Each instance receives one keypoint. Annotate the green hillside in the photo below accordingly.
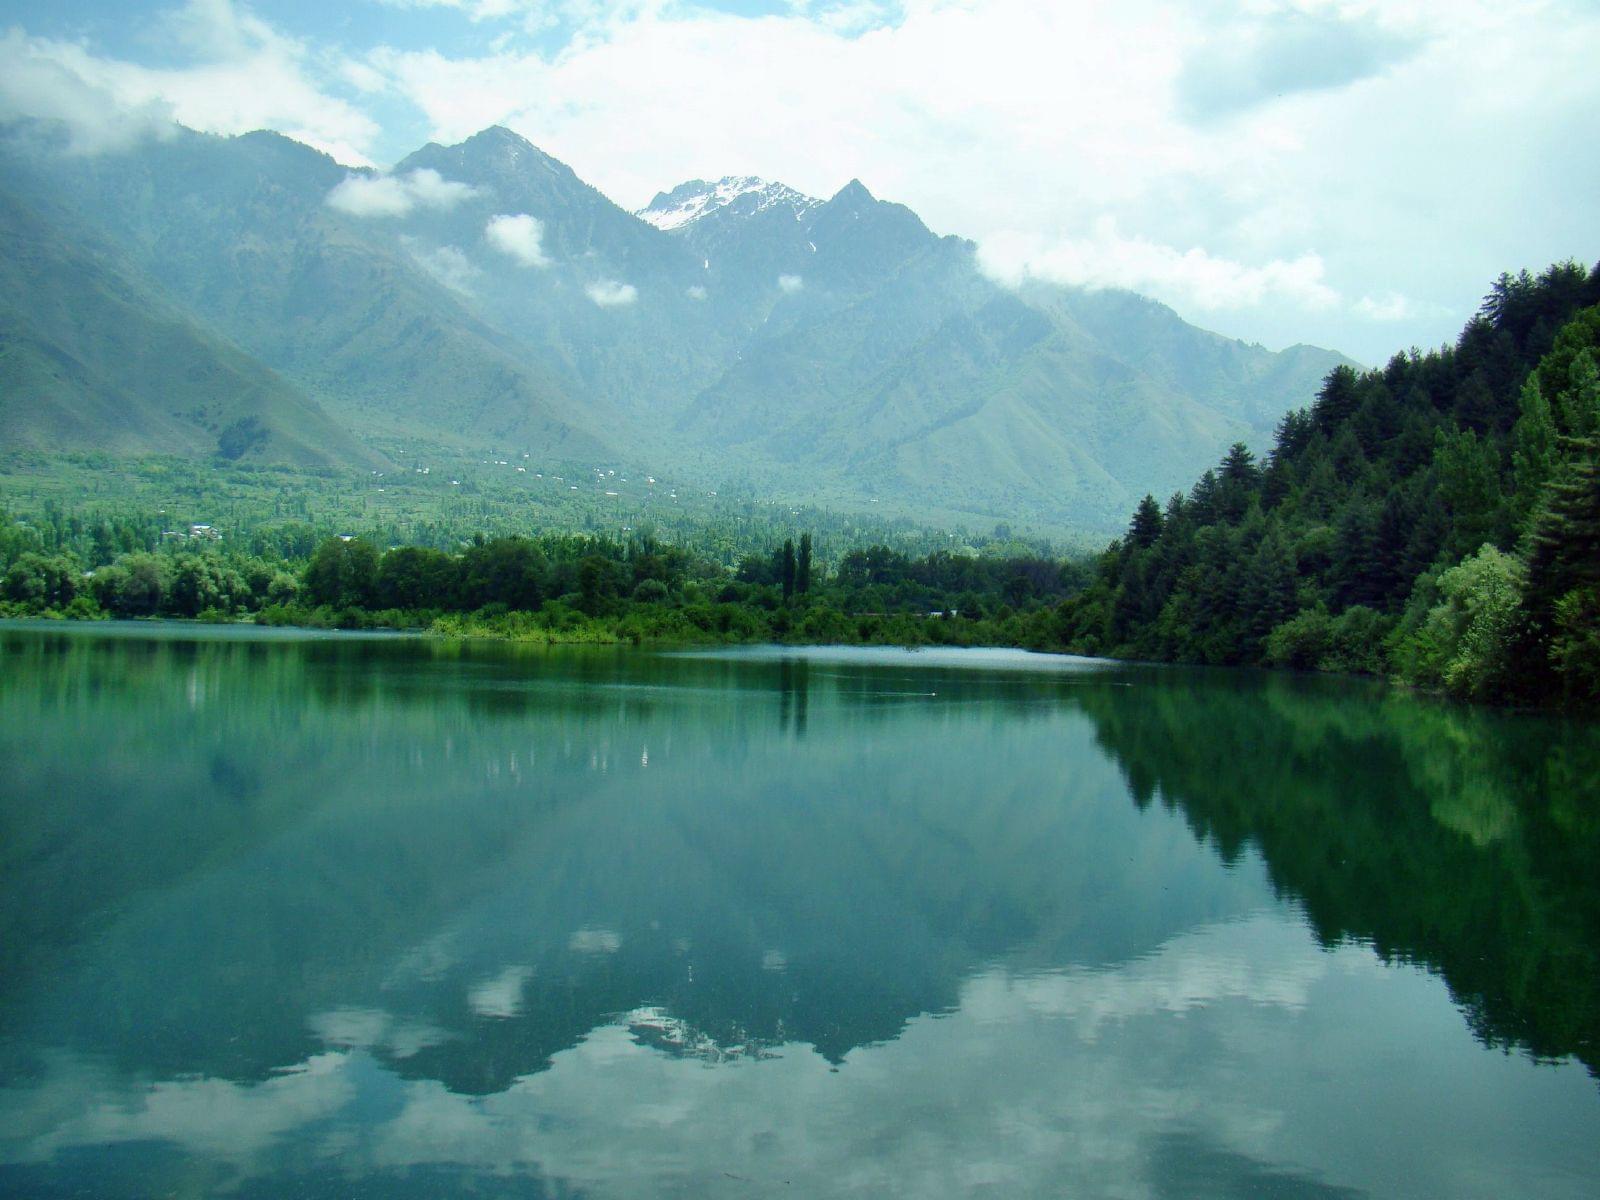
(92, 358)
(938, 386)
(830, 352)
(1438, 519)
(238, 230)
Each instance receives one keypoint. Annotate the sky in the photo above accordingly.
(1347, 173)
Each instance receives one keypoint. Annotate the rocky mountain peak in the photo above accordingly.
(743, 194)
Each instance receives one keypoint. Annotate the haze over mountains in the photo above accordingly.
(251, 297)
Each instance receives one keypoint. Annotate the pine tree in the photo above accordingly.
(788, 570)
(1475, 408)
(1581, 401)
(1203, 499)
(1469, 487)
(1239, 465)
(1337, 400)
(1392, 480)
(1146, 527)
(802, 570)
(1533, 445)
(1268, 584)
(1239, 477)
(1565, 551)
(1293, 434)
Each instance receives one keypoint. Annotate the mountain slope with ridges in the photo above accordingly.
(238, 232)
(834, 350)
(91, 358)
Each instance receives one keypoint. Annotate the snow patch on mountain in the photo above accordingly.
(688, 202)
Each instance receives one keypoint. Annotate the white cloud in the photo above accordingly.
(432, 190)
(1035, 1082)
(241, 75)
(230, 1122)
(34, 82)
(372, 196)
(1262, 55)
(1275, 148)
(1012, 115)
(500, 996)
(790, 283)
(476, 10)
(1388, 307)
(608, 293)
(397, 195)
(448, 264)
(519, 236)
(594, 941)
(362, 77)
(366, 1028)
(696, 292)
(1192, 278)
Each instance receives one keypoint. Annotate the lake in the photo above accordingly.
(327, 916)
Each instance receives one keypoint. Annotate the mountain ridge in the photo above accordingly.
(483, 293)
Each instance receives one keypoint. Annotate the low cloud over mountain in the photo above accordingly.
(481, 294)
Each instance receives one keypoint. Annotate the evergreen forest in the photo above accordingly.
(1436, 520)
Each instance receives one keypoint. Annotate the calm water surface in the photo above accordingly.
(333, 917)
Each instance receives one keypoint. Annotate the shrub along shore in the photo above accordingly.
(566, 589)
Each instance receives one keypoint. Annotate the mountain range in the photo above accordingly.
(250, 297)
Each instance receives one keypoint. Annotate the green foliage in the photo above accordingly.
(1466, 471)
(206, 583)
(241, 437)
(1356, 642)
(144, 376)
(1565, 537)
(786, 570)
(802, 570)
(137, 585)
(1533, 450)
(1459, 633)
(343, 573)
(1575, 644)
(97, 507)
(39, 581)
(1390, 513)
(568, 588)
(1301, 642)
(650, 591)
(1146, 526)
(1568, 372)
(1564, 573)
(1311, 640)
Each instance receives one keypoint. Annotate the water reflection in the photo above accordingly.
(794, 686)
(623, 924)
(1453, 837)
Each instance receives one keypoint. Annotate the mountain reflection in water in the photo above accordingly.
(283, 914)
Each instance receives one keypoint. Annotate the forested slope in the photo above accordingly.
(94, 356)
(1438, 520)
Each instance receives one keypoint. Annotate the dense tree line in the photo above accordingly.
(185, 583)
(552, 587)
(1437, 519)
(572, 587)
